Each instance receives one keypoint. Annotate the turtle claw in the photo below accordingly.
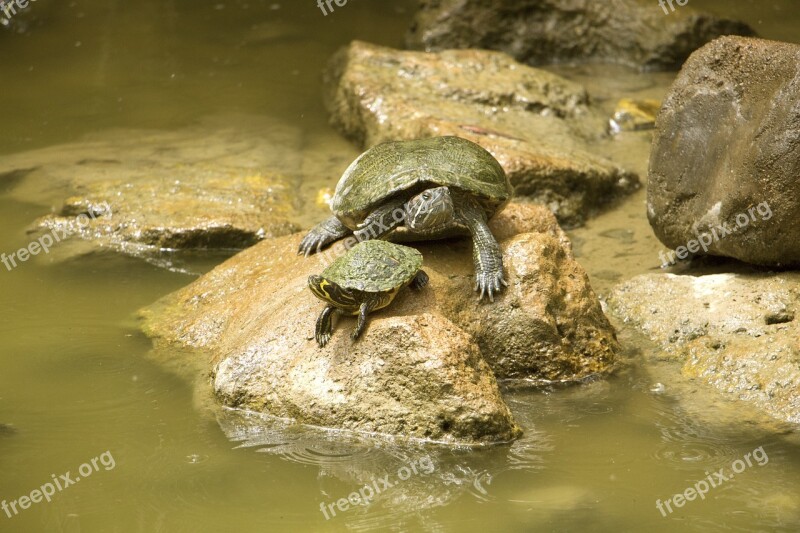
(310, 242)
(489, 284)
(322, 234)
(323, 339)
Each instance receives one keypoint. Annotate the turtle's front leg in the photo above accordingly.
(324, 328)
(382, 220)
(486, 252)
(324, 233)
(363, 311)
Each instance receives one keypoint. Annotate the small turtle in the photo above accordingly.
(365, 279)
(428, 189)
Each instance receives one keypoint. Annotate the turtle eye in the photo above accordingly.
(426, 196)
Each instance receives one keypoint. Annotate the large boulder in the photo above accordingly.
(737, 333)
(541, 127)
(726, 154)
(538, 32)
(420, 369)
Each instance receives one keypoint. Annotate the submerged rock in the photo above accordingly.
(726, 154)
(420, 368)
(735, 332)
(539, 126)
(215, 210)
(554, 31)
(206, 187)
(7, 430)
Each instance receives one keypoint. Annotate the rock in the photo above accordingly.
(734, 332)
(541, 127)
(198, 211)
(556, 31)
(206, 187)
(550, 325)
(419, 369)
(726, 154)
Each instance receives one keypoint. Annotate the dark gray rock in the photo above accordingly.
(552, 31)
(724, 167)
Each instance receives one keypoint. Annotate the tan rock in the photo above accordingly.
(221, 210)
(420, 369)
(205, 187)
(737, 333)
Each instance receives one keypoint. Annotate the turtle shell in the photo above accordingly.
(408, 167)
(375, 266)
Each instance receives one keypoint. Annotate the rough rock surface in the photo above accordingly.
(735, 332)
(199, 210)
(727, 150)
(541, 127)
(209, 186)
(629, 32)
(420, 367)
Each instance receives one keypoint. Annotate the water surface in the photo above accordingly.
(77, 378)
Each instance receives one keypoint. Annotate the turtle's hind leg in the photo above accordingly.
(420, 280)
(324, 233)
(324, 328)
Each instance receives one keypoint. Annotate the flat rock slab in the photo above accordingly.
(420, 369)
(206, 187)
(736, 332)
(537, 32)
(199, 210)
(541, 127)
(724, 167)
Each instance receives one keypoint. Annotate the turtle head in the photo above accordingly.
(330, 292)
(430, 209)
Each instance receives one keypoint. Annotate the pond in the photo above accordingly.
(135, 445)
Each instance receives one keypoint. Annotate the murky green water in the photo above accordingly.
(76, 378)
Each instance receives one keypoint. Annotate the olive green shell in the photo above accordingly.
(392, 168)
(375, 266)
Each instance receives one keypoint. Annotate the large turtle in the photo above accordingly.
(365, 279)
(429, 189)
